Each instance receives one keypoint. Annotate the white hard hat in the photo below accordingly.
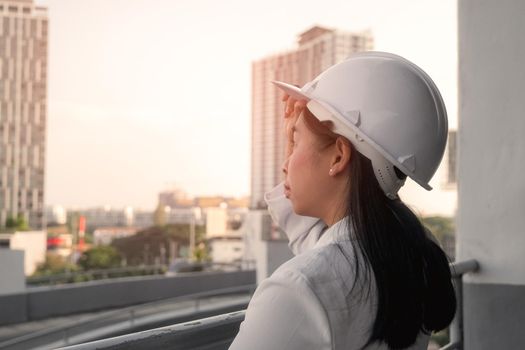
(389, 109)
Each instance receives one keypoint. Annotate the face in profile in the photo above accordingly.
(307, 168)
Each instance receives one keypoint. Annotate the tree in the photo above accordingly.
(19, 223)
(159, 216)
(54, 264)
(154, 244)
(10, 222)
(201, 253)
(442, 227)
(100, 257)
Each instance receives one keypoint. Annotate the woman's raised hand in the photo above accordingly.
(292, 110)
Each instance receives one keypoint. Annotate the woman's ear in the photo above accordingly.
(342, 153)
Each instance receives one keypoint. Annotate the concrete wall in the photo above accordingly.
(12, 278)
(43, 302)
(491, 187)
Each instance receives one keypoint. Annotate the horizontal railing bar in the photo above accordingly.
(171, 334)
(452, 346)
(457, 269)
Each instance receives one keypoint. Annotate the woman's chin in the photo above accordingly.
(299, 210)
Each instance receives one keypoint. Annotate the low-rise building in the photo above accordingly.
(33, 243)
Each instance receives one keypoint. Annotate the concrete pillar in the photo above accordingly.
(261, 246)
(491, 181)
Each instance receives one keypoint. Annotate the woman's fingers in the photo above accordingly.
(299, 105)
(289, 106)
(293, 106)
(292, 110)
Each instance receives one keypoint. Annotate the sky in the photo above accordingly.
(147, 95)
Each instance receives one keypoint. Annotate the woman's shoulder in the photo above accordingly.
(321, 267)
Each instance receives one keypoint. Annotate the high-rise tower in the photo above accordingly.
(23, 110)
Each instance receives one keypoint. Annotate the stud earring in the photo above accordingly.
(331, 171)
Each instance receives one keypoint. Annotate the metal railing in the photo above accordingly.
(219, 331)
(89, 275)
(133, 317)
(457, 270)
(212, 333)
(130, 271)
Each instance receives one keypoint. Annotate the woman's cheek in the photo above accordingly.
(296, 162)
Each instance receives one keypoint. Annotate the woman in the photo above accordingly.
(366, 274)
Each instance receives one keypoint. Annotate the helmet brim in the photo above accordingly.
(292, 90)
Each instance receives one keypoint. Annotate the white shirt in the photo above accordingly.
(309, 302)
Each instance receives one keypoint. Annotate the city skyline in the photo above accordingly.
(159, 92)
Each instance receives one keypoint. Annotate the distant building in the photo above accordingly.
(226, 249)
(56, 215)
(60, 244)
(142, 218)
(32, 243)
(104, 217)
(175, 198)
(23, 110)
(318, 48)
(106, 235)
(216, 222)
(12, 272)
(225, 244)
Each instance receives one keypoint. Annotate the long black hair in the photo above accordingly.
(411, 272)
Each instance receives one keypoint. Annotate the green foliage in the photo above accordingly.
(89, 238)
(100, 257)
(154, 244)
(159, 216)
(54, 264)
(442, 227)
(201, 253)
(10, 222)
(441, 337)
(21, 223)
(16, 224)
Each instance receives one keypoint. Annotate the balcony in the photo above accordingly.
(218, 332)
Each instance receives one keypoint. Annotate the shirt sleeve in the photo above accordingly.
(302, 231)
(284, 313)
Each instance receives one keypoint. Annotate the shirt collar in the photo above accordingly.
(336, 233)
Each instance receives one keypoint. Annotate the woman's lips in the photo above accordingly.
(287, 191)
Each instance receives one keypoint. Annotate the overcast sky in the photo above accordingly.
(149, 94)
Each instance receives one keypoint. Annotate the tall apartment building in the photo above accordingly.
(23, 105)
(317, 49)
